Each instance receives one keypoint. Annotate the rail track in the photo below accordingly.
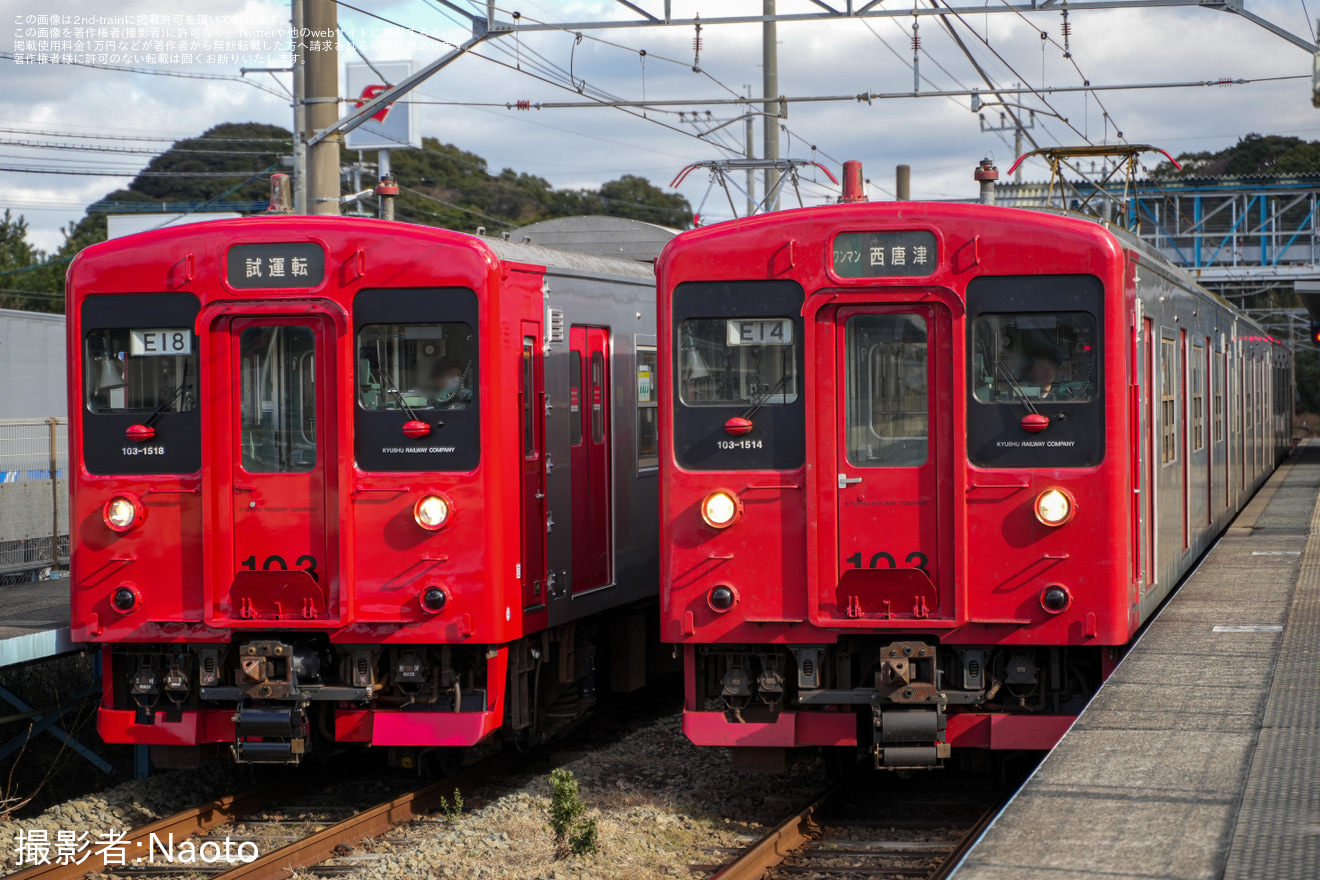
(291, 829)
(299, 826)
(916, 828)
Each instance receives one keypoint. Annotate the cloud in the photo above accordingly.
(939, 137)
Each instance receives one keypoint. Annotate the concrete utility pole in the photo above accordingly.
(903, 183)
(751, 154)
(299, 114)
(322, 102)
(770, 91)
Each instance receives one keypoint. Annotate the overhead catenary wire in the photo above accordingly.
(512, 67)
(10, 56)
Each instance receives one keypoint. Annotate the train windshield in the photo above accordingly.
(416, 366)
(140, 370)
(738, 361)
(1035, 356)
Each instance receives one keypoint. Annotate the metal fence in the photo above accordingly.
(34, 497)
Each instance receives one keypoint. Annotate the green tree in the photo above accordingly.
(1253, 155)
(21, 285)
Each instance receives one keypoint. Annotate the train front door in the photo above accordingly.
(279, 447)
(891, 464)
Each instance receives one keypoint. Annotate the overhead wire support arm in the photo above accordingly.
(875, 10)
(480, 32)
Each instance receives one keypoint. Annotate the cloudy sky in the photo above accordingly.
(579, 147)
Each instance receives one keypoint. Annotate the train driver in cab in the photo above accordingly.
(1041, 372)
(448, 379)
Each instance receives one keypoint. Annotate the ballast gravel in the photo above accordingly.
(662, 806)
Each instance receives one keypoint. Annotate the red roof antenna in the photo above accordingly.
(854, 185)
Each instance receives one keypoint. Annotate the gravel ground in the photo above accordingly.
(127, 805)
(660, 804)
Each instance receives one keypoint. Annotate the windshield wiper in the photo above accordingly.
(389, 386)
(174, 395)
(1017, 389)
(761, 400)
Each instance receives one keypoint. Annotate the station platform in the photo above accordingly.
(34, 621)
(1200, 756)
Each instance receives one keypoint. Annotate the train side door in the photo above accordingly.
(531, 400)
(589, 437)
(282, 462)
(893, 448)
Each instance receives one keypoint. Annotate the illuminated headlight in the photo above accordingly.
(431, 512)
(122, 513)
(721, 509)
(1054, 507)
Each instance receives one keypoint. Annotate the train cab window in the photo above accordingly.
(738, 361)
(277, 368)
(1035, 357)
(736, 352)
(1035, 347)
(887, 399)
(417, 356)
(648, 427)
(140, 370)
(416, 367)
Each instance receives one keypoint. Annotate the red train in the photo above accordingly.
(927, 467)
(355, 481)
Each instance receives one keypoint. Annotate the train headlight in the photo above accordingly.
(432, 512)
(721, 509)
(1054, 507)
(123, 512)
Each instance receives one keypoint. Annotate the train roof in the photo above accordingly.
(556, 261)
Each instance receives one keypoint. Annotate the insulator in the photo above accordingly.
(1067, 32)
(525, 105)
(1224, 81)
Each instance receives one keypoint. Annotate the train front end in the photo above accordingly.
(286, 436)
(895, 502)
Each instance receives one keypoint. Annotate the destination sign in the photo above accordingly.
(884, 254)
(291, 264)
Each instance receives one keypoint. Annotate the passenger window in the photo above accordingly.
(277, 367)
(140, 370)
(575, 398)
(737, 361)
(1036, 356)
(598, 392)
(529, 397)
(416, 366)
(888, 401)
(1198, 397)
(648, 429)
(1168, 401)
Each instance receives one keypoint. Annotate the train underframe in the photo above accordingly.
(270, 697)
(907, 702)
